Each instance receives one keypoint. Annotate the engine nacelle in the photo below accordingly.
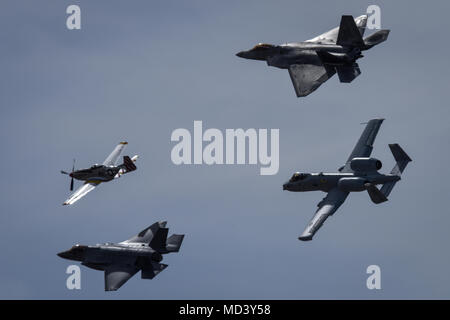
(352, 184)
(365, 164)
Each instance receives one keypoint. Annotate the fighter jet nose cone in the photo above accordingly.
(63, 255)
(285, 186)
(240, 54)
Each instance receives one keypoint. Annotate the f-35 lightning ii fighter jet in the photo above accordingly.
(360, 173)
(100, 173)
(123, 260)
(314, 61)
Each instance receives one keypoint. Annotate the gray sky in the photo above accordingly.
(138, 71)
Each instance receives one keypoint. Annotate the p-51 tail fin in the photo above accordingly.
(128, 164)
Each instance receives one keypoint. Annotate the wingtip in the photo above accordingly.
(375, 119)
(305, 238)
(123, 142)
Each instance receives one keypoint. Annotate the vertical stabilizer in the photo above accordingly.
(402, 160)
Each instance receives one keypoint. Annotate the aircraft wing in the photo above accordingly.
(306, 78)
(117, 275)
(81, 192)
(112, 158)
(330, 37)
(327, 207)
(364, 145)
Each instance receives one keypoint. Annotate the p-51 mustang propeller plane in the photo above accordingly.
(97, 174)
(360, 173)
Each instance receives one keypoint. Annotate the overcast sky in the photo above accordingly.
(138, 70)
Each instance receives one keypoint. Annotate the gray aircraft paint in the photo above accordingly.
(121, 68)
(360, 173)
(123, 260)
(314, 61)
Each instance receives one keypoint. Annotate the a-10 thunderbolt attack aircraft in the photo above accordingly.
(97, 174)
(123, 260)
(314, 61)
(360, 173)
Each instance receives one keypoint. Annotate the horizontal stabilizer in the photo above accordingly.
(174, 242)
(376, 38)
(152, 270)
(349, 35)
(348, 73)
(387, 188)
(375, 195)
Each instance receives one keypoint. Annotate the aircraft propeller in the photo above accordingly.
(70, 174)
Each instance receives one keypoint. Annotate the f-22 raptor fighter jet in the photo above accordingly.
(314, 61)
(97, 174)
(123, 260)
(360, 173)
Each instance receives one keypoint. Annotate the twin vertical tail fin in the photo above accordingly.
(350, 35)
(162, 244)
(156, 237)
(402, 160)
(158, 241)
(400, 157)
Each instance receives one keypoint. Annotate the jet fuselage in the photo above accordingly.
(99, 256)
(351, 182)
(284, 55)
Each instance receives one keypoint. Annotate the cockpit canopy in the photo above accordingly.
(95, 166)
(263, 46)
(299, 176)
(78, 248)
